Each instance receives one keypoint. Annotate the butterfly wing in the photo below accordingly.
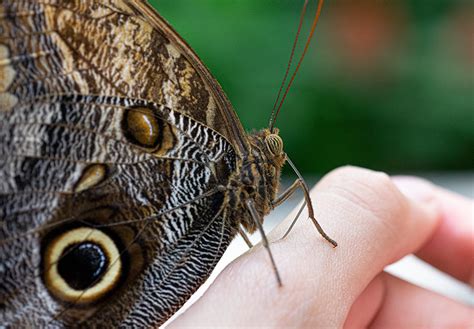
(106, 155)
(219, 115)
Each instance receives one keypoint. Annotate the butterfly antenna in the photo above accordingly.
(290, 61)
(305, 50)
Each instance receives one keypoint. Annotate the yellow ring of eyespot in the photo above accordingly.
(59, 287)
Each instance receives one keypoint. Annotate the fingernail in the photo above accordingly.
(415, 188)
(420, 191)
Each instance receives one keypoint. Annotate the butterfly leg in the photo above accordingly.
(299, 183)
(294, 220)
(288, 192)
(245, 237)
(256, 218)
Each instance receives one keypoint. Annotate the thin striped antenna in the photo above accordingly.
(305, 50)
(303, 12)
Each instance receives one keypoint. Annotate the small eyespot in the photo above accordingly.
(142, 127)
(82, 265)
(91, 176)
(274, 144)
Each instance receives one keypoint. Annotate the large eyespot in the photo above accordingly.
(274, 144)
(82, 265)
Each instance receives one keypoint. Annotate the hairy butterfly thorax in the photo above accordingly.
(259, 176)
(124, 170)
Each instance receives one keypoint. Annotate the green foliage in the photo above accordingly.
(387, 86)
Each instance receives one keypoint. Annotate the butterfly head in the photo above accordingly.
(274, 144)
(269, 147)
(275, 159)
(270, 151)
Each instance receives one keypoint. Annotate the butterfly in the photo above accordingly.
(124, 171)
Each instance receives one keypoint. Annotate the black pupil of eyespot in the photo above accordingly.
(81, 265)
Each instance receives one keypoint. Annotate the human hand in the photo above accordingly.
(376, 221)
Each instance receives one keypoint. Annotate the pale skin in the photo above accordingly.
(376, 220)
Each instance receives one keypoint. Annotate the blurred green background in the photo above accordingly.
(387, 85)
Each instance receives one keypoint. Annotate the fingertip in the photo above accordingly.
(450, 244)
(408, 306)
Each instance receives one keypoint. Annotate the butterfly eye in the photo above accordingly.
(274, 144)
(82, 265)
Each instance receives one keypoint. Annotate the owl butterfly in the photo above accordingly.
(124, 171)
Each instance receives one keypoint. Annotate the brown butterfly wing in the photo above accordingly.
(108, 121)
(121, 48)
(221, 115)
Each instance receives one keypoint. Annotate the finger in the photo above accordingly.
(451, 247)
(374, 225)
(373, 222)
(389, 302)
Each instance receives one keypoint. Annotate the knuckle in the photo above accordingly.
(381, 183)
(371, 190)
(346, 171)
(392, 201)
